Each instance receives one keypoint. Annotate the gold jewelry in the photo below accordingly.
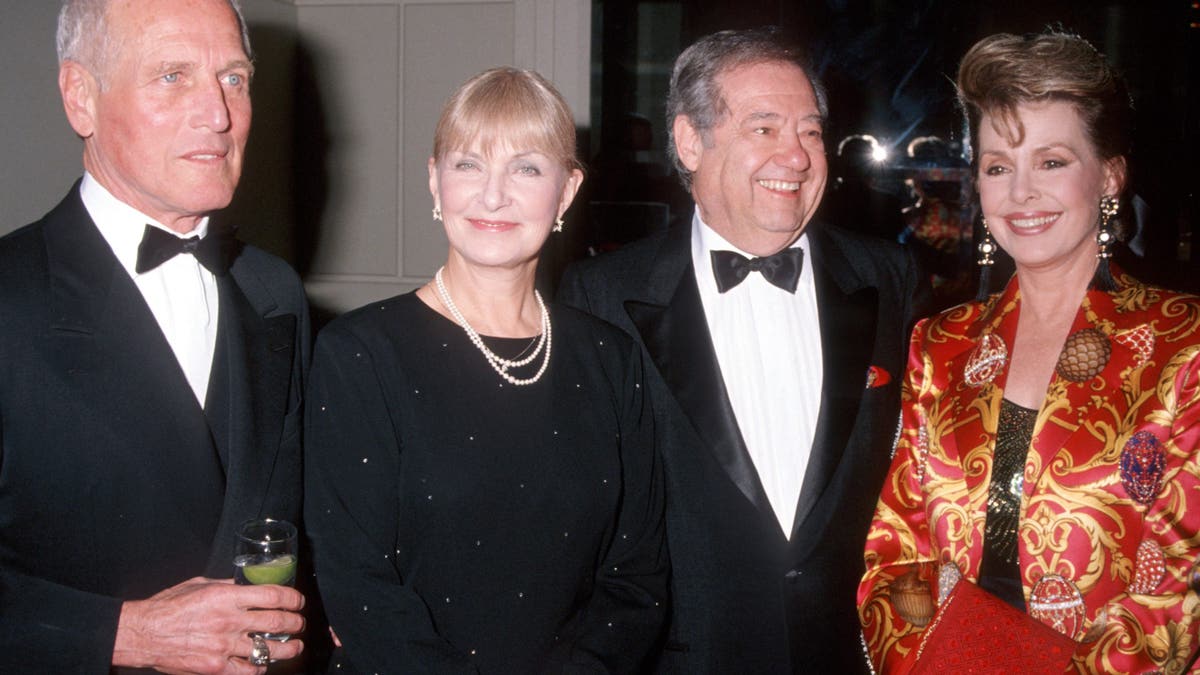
(1102, 279)
(1109, 206)
(986, 247)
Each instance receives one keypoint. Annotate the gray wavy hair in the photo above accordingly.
(83, 34)
(694, 91)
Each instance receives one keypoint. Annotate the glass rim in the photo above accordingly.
(267, 524)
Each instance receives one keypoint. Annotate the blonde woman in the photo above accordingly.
(483, 494)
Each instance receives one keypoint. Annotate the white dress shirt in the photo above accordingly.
(768, 344)
(181, 293)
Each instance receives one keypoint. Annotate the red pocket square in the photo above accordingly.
(877, 377)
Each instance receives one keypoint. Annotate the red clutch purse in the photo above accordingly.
(976, 632)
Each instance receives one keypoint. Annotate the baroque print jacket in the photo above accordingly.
(1109, 528)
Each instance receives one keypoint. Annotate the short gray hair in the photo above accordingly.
(83, 34)
(694, 91)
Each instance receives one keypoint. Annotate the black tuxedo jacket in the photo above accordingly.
(745, 598)
(114, 482)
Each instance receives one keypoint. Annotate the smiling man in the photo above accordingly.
(778, 345)
(150, 367)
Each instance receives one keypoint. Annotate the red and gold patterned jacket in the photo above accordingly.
(1110, 501)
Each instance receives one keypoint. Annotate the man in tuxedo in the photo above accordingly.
(150, 367)
(778, 343)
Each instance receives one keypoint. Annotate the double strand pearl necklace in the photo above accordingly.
(501, 365)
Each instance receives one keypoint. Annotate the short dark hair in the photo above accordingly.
(694, 91)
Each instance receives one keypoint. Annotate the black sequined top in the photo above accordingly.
(1000, 571)
(463, 524)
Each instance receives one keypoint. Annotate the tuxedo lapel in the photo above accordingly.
(849, 311)
(218, 404)
(247, 404)
(671, 322)
(121, 368)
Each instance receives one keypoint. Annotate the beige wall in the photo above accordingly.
(39, 156)
(346, 98)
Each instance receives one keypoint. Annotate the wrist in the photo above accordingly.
(129, 648)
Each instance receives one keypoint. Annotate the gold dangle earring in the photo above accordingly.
(1105, 238)
(986, 247)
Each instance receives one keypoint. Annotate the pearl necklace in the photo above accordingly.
(499, 364)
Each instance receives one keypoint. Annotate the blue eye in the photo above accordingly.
(170, 78)
(529, 170)
(235, 79)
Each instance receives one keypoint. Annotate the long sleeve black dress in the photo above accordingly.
(463, 524)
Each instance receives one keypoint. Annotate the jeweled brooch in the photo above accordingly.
(985, 362)
(1057, 602)
(1143, 463)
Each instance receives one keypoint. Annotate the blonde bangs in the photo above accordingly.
(510, 109)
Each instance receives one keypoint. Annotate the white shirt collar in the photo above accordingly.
(121, 224)
(768, 346)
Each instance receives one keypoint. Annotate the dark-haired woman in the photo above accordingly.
(1042, 508)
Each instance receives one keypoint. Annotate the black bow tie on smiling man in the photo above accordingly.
(781, 268)
(159, 246)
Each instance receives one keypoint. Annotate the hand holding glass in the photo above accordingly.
(265, 553)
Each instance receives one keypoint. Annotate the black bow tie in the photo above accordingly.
(159, 246)
(781, 269)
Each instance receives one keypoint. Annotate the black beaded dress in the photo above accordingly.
(463, 524)
(1000, 567)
